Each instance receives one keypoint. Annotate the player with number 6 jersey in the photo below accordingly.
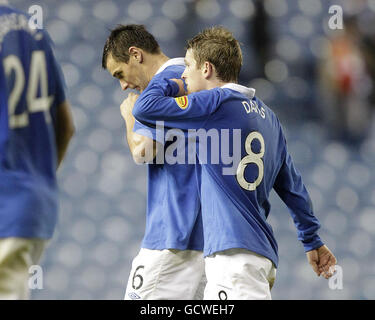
(170, 263)
(35, 129)
(239, 244)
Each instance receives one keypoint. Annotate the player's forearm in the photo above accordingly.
(291, 189)
(187, 112)
(130, 135)
(143, 149)
(157, 101)
(64, 131)
(62, 143)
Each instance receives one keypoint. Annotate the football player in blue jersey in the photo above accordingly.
(240, 249)
(35, 128)
(170, 263)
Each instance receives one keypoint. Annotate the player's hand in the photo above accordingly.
(127, 105)
(322, 261)
(180, 83)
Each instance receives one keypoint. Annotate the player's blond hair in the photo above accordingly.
(218, 46)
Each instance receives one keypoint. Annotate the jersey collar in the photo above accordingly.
(249, 92)
(171, 62)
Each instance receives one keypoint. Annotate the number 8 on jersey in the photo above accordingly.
(251, 157)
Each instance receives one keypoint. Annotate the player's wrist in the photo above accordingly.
(312, 243)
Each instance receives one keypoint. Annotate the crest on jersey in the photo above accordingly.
(182, 102)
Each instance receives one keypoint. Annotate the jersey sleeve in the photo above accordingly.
(291, 189)
(157, 103)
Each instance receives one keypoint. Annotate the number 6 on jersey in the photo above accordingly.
(251, 157)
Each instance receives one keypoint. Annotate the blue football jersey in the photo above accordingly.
(173, 218)
(31, 89)
(244, 157)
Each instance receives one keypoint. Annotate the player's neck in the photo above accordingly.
(215, 83)
(155, 61)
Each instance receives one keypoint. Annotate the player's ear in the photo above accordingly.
(207, 70)
(136, 53)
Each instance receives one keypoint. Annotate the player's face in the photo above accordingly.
(128, 74)
(193, 76)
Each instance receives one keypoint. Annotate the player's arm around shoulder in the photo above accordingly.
(157, 101)
(168, 101)
(64, 129)
(142, 148)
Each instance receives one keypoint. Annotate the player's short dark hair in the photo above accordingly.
(125, 36)
(218, 46)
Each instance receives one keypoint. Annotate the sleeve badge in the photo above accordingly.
(182, 102)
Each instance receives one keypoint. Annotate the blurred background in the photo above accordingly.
(319, 81)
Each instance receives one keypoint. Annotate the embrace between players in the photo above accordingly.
(204, 227)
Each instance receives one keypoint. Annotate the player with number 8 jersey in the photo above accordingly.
(239, 245)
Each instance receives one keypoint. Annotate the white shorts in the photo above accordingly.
(166, 275)
(17, 255)
(238, 274)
